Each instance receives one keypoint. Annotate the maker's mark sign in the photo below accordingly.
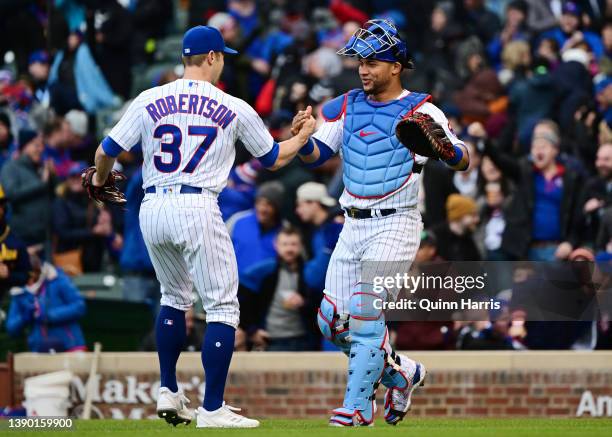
(128, 390)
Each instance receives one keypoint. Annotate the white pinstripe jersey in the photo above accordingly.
(188, 130)
(331, 133)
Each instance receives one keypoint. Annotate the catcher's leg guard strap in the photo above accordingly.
(332, 326)
(367, 356)
(395, 375)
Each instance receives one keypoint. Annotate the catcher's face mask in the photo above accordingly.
(378, 39)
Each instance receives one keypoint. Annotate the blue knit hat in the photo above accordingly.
(25, 136)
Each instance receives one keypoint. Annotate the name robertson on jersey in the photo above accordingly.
(191, 104)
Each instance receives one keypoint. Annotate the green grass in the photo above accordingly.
(428, 427)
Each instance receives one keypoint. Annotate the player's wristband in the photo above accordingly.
(269, 159)
(307, 148)
(457, 158)
(325, 152)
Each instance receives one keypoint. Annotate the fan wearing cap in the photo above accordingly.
(38, 70)
(569, 33)
(381, 180)
(253, 231)
(455, 237)
(315, 208)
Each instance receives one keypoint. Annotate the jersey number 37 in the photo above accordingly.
(173, 147)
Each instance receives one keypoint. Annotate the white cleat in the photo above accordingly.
(224, 417)
(172, 407)
(397, 402)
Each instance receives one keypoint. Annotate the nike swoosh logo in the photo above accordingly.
(363, 133)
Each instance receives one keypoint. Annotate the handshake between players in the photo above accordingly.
(188, 129)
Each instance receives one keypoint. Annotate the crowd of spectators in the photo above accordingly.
(527, 84)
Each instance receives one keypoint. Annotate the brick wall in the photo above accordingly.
(295, 391)
(460, 394)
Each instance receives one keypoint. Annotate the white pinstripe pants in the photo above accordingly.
(393, 239)
(189, 246)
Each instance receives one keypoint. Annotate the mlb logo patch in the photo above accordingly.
(168, 322)
(187, 51)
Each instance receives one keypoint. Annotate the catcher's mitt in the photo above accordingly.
(107, 193)
(421, 134)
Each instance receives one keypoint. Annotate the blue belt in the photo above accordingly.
(185, 189)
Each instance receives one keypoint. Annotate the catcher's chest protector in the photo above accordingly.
(375, 163)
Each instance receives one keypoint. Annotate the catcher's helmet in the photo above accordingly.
(378, 39)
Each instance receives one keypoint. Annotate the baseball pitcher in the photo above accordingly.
(188, 130)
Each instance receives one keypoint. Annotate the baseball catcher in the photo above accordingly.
(384, 134)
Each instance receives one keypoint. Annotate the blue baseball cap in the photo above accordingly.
(571, 8)
(39, 56)
(200, 40)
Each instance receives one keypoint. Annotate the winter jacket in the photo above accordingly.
(50, 309)
(134, 255)
(592, 39)
(14, 254)
(519, 214)
(71, 222)
(94, 92)
(30, 199)
(574, 89)
(322, 245)
(532, 100)
(257, 288)
(251, 243)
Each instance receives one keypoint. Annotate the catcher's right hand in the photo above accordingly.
(421, 134)
(107, 193)
(300, 118)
